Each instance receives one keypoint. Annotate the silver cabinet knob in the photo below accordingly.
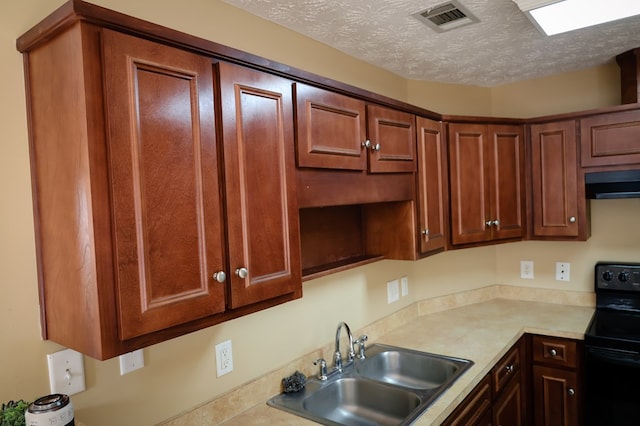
(572, 219)
(571, 391)
(509, 368)
(376, 147)
(220, 276)
(242, 272)
(366, 144)
(553, 352)
(489, 223)
(425, 232)
(496, 222)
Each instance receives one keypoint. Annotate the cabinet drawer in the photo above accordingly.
(610, 139)
(506, 368)
(555, 351)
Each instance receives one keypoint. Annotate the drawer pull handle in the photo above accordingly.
(571, 391)
(553, 352)
(509, 369)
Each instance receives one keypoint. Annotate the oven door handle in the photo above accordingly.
(615, 356)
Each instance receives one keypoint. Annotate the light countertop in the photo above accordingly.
(482, 332)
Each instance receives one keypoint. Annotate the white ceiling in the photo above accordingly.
(503, 47)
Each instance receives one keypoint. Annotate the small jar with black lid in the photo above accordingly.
(50, 410)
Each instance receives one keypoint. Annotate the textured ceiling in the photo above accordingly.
(503, 47)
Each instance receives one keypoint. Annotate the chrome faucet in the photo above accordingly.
(337, 360)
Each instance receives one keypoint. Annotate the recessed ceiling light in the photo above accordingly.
(555, 17)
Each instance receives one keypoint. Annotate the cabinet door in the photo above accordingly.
(330, 129)
(610, 139)
(469, 183)
(554, 179)
(432, 187)
(475, 410)
(507, 408)
(262, 211)
(555, 399)
(507, 181)
(392, 138)
(166, 210)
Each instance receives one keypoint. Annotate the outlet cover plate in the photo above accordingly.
(66, 372)
(526, 269)
(131, 361)
(224, 358)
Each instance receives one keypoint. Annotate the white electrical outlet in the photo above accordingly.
(526, 269)
(563, 271)
(393, 291)
(66, 372)
(131, 361)
(224, 358)
(404, 284)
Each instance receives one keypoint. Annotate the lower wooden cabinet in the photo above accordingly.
(537, 382)
(556, 381)
(475, 410)
(499, 399)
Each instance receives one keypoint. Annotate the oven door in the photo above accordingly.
(612, 387)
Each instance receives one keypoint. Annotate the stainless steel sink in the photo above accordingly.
(407, 368)
(391, 386)
(363, 402)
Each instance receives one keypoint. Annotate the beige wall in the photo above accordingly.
(180, 373)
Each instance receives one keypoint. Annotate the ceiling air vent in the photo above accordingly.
(446, 16)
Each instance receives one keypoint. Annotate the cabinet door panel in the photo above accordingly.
(610, 139)
(554, 178)
(507, 409)
(395, 133)
(167, 216)
(262, 212)
(475, 410)
(555, 398)
(432, 173)
(468, 183)
(507, 193)
(330, 129)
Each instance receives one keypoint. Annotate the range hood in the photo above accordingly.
(618, 184)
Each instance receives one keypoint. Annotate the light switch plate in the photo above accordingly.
(131, 361)
(393, 291)
(404, 284)
(563, 271)
(66, 372)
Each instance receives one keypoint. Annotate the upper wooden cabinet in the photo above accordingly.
(391, 140)
(486, 169)
(610, 139)
(558, 203)
(335, 131)
(163, 175)
(135, 244)
(432, 186)
(259, 170)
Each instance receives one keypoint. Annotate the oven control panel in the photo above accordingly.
(617, 276)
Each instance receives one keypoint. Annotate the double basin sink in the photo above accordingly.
(391, 386)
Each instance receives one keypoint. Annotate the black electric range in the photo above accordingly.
(612, 346)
